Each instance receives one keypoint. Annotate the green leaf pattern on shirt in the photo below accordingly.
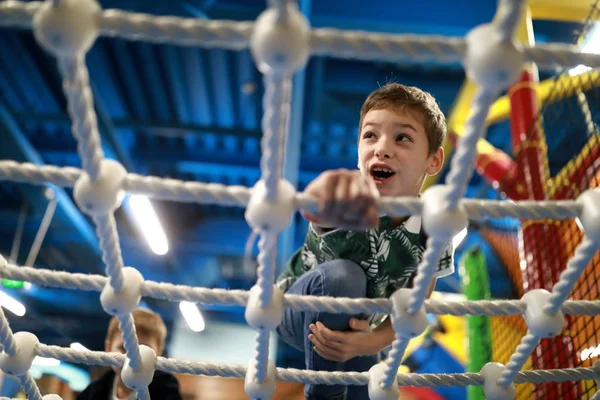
(388, 256)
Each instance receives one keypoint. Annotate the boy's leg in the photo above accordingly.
(337, 278)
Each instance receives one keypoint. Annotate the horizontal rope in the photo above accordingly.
(556, 375)
(100, 358)
(324, 41)
(173, 292)
(195, 192)
(17, 13)
(195, 32)
(560, 209)
(364, 45)
(551, 55)
(307, 376)
(200, 368)
(212, 193)
(38, 174)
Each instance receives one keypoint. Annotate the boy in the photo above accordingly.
(350, 250)
(152, 332)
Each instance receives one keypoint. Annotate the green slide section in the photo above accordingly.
(476, 286)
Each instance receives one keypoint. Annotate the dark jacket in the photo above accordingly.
(164, 386)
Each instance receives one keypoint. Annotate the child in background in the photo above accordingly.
(350, 250)
(152, 332)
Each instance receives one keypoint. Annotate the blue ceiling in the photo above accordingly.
(194, 114)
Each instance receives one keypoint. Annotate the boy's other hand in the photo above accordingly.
(346, 200)
(342, 346)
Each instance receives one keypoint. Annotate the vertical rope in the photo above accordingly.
(29, 386)
(393, 362)
(76, 86)
(266, 267)
(6, 335)
(517, 360)
(276, 104)
(262, 355)
(281, 7)
(143, 394)
(130, 339)
(106, 229)
(569, 276)
(425, 271)
(510, 11)
(461, 168)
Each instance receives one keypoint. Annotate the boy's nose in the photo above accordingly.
(383, 152)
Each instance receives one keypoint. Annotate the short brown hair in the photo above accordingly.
(147, 323)
(395, 95)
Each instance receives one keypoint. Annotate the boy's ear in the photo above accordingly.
(436, 161)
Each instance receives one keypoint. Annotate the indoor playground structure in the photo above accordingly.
(547, 232)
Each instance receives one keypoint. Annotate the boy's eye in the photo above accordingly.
(368, 135)
(402, 138)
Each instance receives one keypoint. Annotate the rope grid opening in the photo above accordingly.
(281, 41)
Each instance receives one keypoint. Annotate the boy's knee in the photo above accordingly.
(343, 278)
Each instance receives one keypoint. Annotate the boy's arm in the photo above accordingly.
(384, 334)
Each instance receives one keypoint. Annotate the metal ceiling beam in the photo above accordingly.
(168, 129)
(155, 93)
(175, 87)
(14, 145)
(158, 128)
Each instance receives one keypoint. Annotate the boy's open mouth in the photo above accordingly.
(381, 175)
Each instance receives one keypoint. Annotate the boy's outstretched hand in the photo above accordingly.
(347, 200)
(342, 346)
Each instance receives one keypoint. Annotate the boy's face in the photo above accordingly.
(393, 151)
(117, 345)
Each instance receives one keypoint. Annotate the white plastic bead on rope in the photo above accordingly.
(105, 194)
(405, 325)
(264, 318)
(539, 323)
(52, 397)
(376, 391)
(260, 390)
(67, 28)
(490, 62)
(20, 363)
(140, 378)
(280, 47)
(491, 372)
(590, 217)
(271, 216)
(125, 301)
(438, 221)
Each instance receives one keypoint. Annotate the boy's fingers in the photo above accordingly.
(329, 335)
(329, 195)
(324, 345)
(357, 203)
(342, 197)
(327, 355)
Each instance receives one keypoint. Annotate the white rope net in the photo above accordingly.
(281, 40)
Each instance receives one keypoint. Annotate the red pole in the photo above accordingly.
(541, 248)
(493, 164)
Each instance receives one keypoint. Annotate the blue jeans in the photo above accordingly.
(337, 278)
